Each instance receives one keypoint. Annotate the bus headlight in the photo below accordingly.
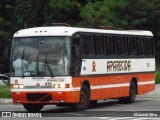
(16, 86)
(21, 86)
(62, 86)
(56, 86)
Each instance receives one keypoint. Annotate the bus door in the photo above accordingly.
(76, 55)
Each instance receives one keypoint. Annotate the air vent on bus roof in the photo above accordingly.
(107, 27)
(60, 24)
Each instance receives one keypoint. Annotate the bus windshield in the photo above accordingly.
(40, 56)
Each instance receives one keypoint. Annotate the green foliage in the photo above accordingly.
(5, 92)
(66, 11)
(4, 33)
(99, 13)
(157, 73)
(158, 77)
(6, 15)
(30, 13)
(125, 14)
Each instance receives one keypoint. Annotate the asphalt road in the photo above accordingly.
(142, 109)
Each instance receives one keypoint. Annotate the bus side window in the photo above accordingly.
(87, 45)
(131, 46)
(149, 46)
(135, 40)
(106, 45)
(125, 45)
(144, 46)
(140, 46)
(120, 45)
(103, 45)
(110, 45)
(98, 45)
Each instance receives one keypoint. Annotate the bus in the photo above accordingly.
(76, 67)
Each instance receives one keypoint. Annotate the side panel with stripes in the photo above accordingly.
(110, 78)
(114, 86)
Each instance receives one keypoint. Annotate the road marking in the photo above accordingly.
(103, 118)
(130, 110)
(124, 118)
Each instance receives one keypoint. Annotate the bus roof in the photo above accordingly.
(69, 31)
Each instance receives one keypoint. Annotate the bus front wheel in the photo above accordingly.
(84, 99)
(33, 107)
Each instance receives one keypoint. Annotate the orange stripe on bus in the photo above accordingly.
(99, 88)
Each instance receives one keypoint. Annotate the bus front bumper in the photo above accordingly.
(46, 97)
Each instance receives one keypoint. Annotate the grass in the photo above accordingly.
(158, 73)
(5, 92)
(158, 77)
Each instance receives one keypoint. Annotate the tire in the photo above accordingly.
(33, 107)
(93, 102)
(84, 99)
(132, 94)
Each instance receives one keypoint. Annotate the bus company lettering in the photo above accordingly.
(118, 65)
(57, 80)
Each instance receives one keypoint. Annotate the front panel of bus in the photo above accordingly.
(40, 70)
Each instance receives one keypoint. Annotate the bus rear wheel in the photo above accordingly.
(84, 99)
(33, 107)
(132, 92)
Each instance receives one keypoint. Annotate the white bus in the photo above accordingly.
(79, 66)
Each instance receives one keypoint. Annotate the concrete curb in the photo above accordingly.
(5, 101)
(153, 94)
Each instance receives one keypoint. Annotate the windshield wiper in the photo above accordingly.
(11, 62)
(38, 71)
(23, 63)
(49, 68)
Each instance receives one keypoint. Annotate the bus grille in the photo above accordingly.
(39, 97)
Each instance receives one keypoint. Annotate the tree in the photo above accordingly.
(66, 11)
(6, 15)
(156, 27)
(30, 13)
(105, 12)
(6, 30)
(124, 14)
